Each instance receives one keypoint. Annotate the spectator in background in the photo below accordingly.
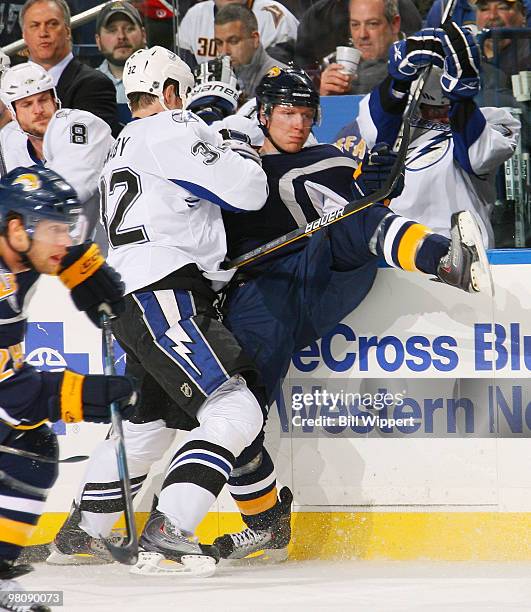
(510, 56)
(158, 18)
(464, 13)
(46, 30)
(10, 26)
(236, 35)
(374, 26)
(276, 26)
(119, 33)
(325, 26)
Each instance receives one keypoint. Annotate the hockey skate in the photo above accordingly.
(465, 266)
(271, 542)
(165, 549)
(9, 588)
(73, 546)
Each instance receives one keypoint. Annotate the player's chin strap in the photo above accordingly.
(270, 138)
(24, 258)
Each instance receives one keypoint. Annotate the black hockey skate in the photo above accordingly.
(165, 549)
(272, 541)
(465, 266)
(73, 546)
(9, 587)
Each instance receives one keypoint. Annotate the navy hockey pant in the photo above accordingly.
(20, 510)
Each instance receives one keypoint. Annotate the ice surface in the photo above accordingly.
(296, 586)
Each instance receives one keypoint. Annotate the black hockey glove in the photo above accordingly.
(460, 79)
(92, 282)
(373, 172)
(240, 143)
(407, 57)
(87, 398)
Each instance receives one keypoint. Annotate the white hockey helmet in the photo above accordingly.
(147, 70)
(25, 80)
(433, 93)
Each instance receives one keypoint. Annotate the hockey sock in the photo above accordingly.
(408, 245)
(255, 491)
(430, 253)
(100, 500)
(194, 479)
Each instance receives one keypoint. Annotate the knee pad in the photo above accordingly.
(231, 417)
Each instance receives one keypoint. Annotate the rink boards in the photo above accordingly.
(436, 468)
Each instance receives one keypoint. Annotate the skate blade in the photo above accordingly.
(261, 557)
(154, 564)
(58, 558)
(480, 272)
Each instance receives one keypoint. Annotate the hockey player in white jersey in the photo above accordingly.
(163, 187)
(456, 147)
(72, 142)
(276, 24)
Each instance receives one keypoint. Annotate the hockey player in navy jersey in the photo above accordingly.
(282, 302)
(40, 223)
(285, 301)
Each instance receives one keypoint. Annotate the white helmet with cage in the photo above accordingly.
(432, 94)
(25, 80)
(147, 70)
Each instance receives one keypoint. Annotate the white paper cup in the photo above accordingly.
(349, 58)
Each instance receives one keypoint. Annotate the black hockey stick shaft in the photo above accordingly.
(128, 552)
(22, 453)
(401, 149)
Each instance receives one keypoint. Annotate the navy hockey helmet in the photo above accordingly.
(36, 194)
(287, 87)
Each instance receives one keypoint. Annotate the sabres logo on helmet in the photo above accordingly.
(29, 182)
(274, 72)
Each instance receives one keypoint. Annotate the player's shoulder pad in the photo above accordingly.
(502, 121)
(318, 152)
(75, 114)
(77, 125)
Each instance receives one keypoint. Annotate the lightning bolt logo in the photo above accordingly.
(180, 339)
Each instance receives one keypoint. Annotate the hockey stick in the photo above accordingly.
(18, 485)
(128, 553)
(401, 149)
(22, 453)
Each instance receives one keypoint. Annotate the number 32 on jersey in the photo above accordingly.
(129, 182)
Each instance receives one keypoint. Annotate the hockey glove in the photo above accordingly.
(407, 57)
(374, 171)
(460, 79)
(92, 282)
(87, 398)
(240, 143)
